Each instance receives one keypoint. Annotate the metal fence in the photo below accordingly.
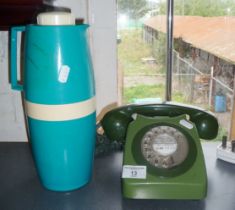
(198, 87)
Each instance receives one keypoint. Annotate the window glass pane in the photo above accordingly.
(141, 51)
(204, 58)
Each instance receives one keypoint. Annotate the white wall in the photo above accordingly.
(102, 18)
(101, 15)
(11, 115)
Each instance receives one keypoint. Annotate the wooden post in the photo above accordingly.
(211, 88)
(192, 81)
(179, 72)
(120, 84)
(232, 122)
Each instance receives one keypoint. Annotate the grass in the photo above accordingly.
(130, 52)
(143, 91)
(149, 91)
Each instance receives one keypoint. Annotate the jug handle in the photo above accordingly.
(13, 60)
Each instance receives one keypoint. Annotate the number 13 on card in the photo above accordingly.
(134, 172)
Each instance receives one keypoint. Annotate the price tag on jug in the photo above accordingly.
(64, 74)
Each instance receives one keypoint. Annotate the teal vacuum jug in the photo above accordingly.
(59, 99)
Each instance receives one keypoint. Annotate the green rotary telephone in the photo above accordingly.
(163, 158)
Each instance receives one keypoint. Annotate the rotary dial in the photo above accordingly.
(164, 146)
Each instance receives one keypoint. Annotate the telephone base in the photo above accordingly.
(168, 189)
(143, 180)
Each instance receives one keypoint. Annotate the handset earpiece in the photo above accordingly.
(116, 121)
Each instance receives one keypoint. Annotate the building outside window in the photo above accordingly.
(203, 55)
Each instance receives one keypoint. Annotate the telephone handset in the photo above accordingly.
(116, 121)
(163, 158)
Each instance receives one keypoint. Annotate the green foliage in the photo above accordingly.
(182, 47)
(205, 8)
(134, 8)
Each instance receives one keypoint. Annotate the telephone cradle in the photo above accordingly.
(163, 157)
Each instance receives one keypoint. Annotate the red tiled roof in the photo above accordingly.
(215, 35)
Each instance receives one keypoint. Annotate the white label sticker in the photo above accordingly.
(64, 74)
(134, 172)
(186, 124)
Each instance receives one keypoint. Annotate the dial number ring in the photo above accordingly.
(164, 146)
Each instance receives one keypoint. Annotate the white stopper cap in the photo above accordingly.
(55, 18)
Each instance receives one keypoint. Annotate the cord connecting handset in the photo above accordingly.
(116, 121)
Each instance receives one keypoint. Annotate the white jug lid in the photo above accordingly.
(55, 18)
